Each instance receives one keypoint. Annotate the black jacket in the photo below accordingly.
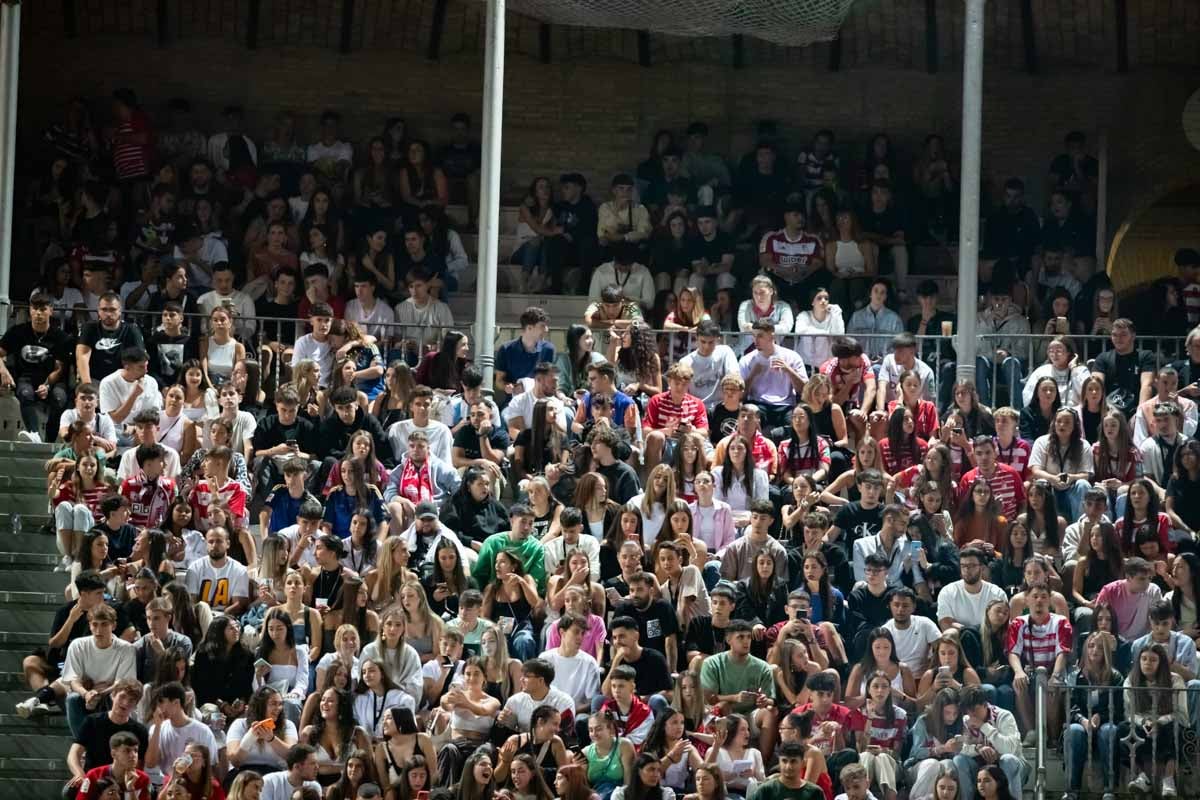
(333, 438)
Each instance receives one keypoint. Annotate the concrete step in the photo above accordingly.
(563, 309)
(29, 788)
(49, 724)
(51, 745)
(28, 619)
(23, 502)
(506, 241)
(10, 661)
(25, 560)
(509, 216)
(40, 580)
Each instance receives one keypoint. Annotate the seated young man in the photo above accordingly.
(122, 770)
(833, 724)
(741, 683)
(94, 664)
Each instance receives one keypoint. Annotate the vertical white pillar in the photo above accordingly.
(10, 63)
(968, 224)
(489, 193)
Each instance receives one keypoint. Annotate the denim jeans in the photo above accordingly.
(1075, 746)
(712, 574)
(968, 766)
(77, 711)
(1003, 696)
(521, 643)
(1009, 373)
(1070, 500)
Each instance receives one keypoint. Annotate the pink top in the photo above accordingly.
(593, 640)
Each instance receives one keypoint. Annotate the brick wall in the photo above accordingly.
(599, 115)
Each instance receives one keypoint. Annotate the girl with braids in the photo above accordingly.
(932, 745)
(634, 352)
(1155, 715)
(542, 743)
(260, 740)
(350, 607)
(287, 664)
(374, 694)
(805, 451)
(334, 734)
(1185, 578)
(445, 578)
(573, 362)
(677, 756)
(1046, 526)
(1142, 513)
(901, 447)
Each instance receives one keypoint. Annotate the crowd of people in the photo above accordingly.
(752, 557)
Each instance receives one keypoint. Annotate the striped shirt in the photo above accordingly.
(662, 410)
(1039, 644)
(883, 735)
(132, 160)
(1191, 302)
(1015, 455)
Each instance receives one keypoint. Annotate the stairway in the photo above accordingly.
(33, 753)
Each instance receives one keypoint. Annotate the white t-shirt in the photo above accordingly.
(129, 466)
(522, 405)
(255, 752)
(373, 322)
(276, 786)
(890, 371)
(243, 428)
(173, 741)
(523, 705)
(338, 151)
(441, 441)
(707, 372)
(102, 424)
(309, 349)
(114, 390)
(577, 676)
(292, 533)
(1043, 456)
(369, 709)
(426, 320)
(218, 586)
(912, 643)
(85, 660)
(955, 602)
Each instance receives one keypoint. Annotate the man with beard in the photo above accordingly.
(38, 369)
(963, 603)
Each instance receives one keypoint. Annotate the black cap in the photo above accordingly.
(426, 510)
(622, 179)
(706, 211)
(573, 177)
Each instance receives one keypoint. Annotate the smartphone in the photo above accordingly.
(915, 549)
(1060, 324)
(262, 662)
(293, 443)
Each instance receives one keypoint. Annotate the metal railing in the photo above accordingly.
(936, 351)
(1185, 741)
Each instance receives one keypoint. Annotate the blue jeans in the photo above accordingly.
(1075, 745)
(77, 712)
(1009, 373)
(1070, 500)
(712, 574)
(968, 766)
(1003, 696)
(521, 643)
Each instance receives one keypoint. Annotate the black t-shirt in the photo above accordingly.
(1187, 500)
(884, 222)
(721, 422)
(653, 673)
(95, 732)
(55, 655)
(577, 219)
(468, 439)
(622, 481)
(856, 522)
(460, 160)
(35, 353)
(283, 332)
(703, 636)
(720, 246)
(655, 624)
(1009, 235)
(1123, 377)
(107, 346)
(167, 354)
(272, 433)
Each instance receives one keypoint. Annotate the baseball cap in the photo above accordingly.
(427, 510)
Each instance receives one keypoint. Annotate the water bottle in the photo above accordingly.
(15, 519)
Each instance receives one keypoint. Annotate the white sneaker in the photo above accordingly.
(64, 564)
(1141, 783)
(1109, 796)
(31, 708)
(1168, 787)
(29, 436)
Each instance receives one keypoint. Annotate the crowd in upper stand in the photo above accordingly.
(744, 535)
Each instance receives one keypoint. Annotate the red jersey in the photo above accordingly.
(1015, 455)
(1039, 644)
(838, 379)
(662, 410)
(850, 720)
(1162, 525)
(926, 418)
(799, 458)
(1191, 302)
(793, 258)
(148, 500)
(903, 458)
(91, 497)
(884, 734)
(1006, 486)
(231, 495)
(141, 785)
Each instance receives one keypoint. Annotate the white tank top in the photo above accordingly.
(220, 361)
(849, 261)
